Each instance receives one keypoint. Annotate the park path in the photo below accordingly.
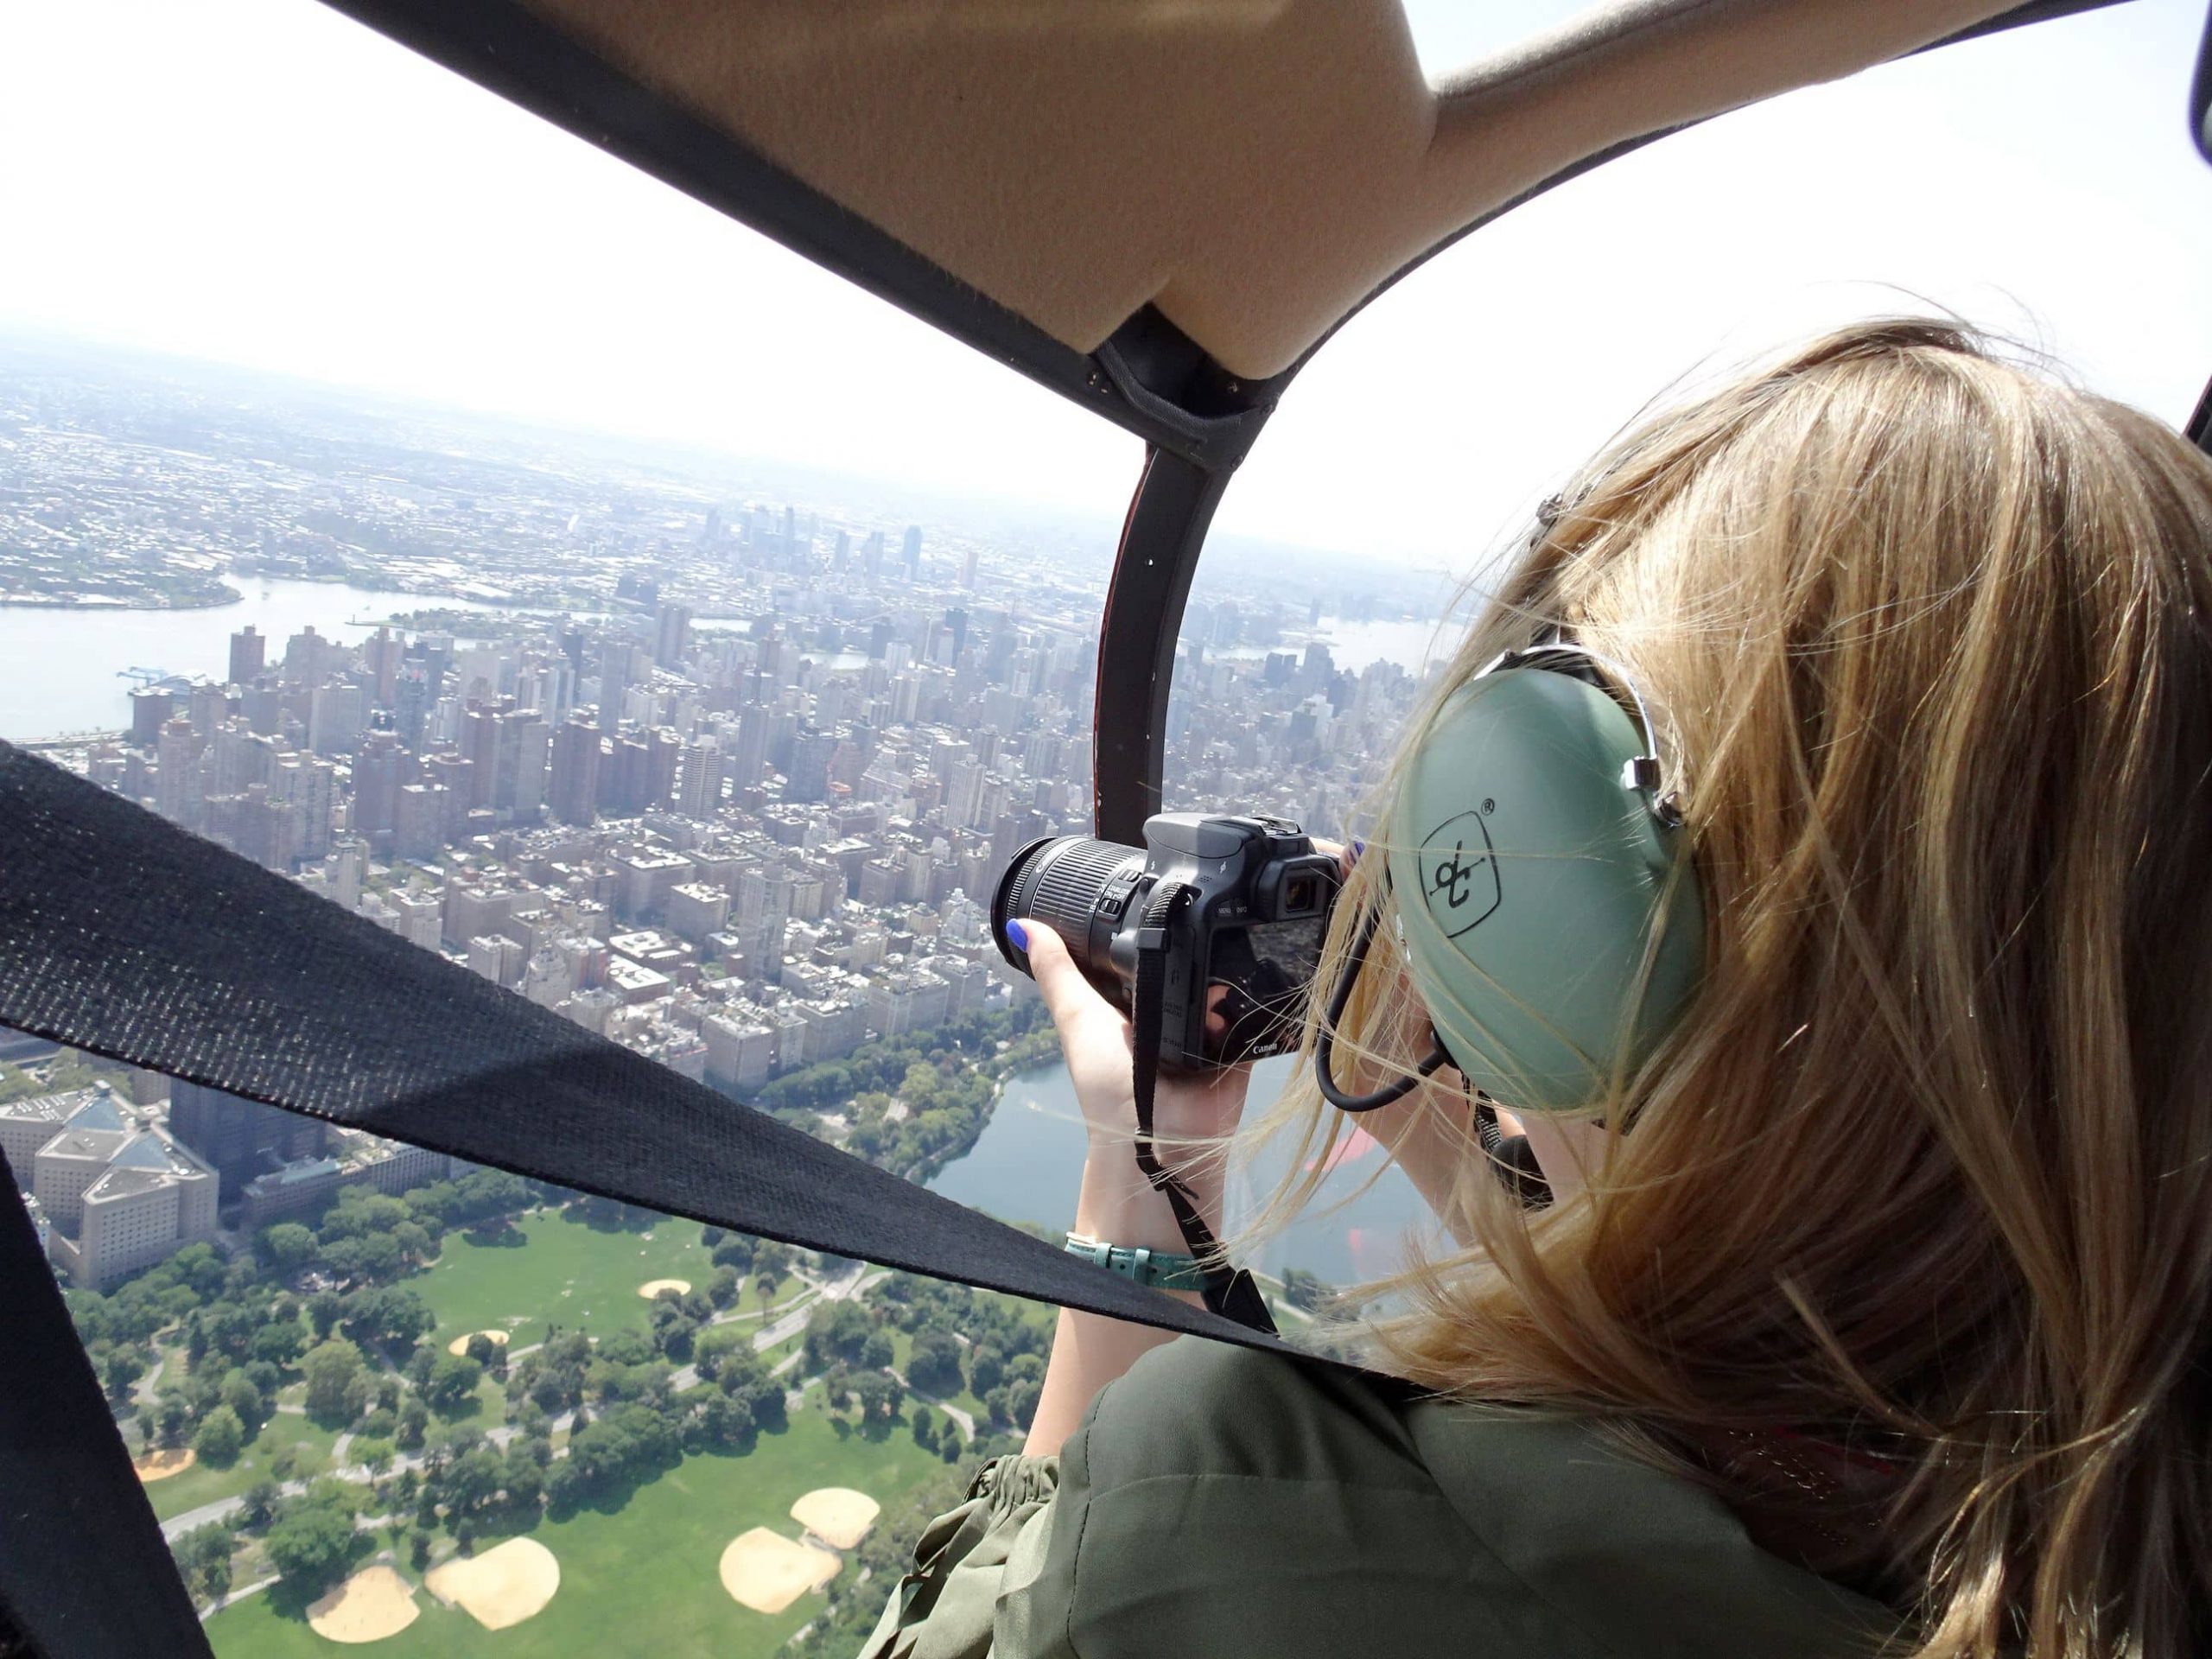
(239, 1593)
(501, 1435)
(141, 1391)
(959, 1414)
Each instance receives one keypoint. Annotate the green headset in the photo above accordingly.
(1533, 851)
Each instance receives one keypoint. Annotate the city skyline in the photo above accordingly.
(727, 777)
(438, 258)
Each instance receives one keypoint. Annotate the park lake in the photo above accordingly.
(1026, 1167)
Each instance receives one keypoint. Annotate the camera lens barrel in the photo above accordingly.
(1064, 882)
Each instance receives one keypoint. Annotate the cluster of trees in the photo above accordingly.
(966, 1337)
(739, 1254)
(248, 1331)
(242, 1340)
(946, 1078)
(310, 1539)
(203, 1560)
(372, 1238)
(65, 1071)
(467, 1484)
(882, 1064)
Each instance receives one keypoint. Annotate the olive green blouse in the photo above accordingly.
(1220, 1501)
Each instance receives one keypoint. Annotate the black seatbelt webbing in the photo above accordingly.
(82, 1569)
(125, 935)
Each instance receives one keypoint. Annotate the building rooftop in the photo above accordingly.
(93, 1146)
(82, 1108)
(142, 1162)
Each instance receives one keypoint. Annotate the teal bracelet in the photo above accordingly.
(1161, 1269)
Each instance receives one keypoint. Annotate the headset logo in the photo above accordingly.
(1460, 887)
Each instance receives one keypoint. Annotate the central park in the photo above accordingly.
(487, 1415)
(628, 1472)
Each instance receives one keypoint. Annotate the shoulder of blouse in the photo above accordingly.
(1224, 1500)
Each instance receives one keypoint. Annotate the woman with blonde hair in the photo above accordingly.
(1869, 1313)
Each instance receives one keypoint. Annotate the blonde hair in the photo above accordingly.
(1927, 1169)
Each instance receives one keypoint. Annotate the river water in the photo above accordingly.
(1353, 645)
(1027, 1165)
(60, 670)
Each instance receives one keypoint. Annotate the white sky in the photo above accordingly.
(264, 182)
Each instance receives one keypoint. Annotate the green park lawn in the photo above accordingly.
(568, 1272)
(203, 1484)
(641, 1579)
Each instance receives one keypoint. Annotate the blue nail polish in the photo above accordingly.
(1358, 846)
(1018, 933)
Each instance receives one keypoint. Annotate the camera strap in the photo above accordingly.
(1230, 1292)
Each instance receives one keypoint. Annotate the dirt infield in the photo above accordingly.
(504, 1585)
(838, 1516)
(766, 1571)
(460, 1343)
(374, 1603)
(159, 1465)
(653, 1287)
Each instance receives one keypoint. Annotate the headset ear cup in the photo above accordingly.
(1549, 928)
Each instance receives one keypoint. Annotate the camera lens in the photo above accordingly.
(1061, 881)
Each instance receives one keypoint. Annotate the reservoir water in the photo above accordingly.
(1026, 1166)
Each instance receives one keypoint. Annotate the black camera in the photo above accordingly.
(1245, 948)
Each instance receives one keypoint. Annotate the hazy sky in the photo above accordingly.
(263, 181)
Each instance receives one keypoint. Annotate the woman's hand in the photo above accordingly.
(1190, 1113)
(1117, 1202)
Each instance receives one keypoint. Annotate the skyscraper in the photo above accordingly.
(661, 751)
(335, 718)
(525, 742)
(177, 784)
(480, 744)
(576, 770)
(412, 695)
(249, 653)
(308, 657)
(307, 785)
(381, 654)
(967, 567)
(699, 785)
(379, 769)
(457, 774)
(238, 1139)
(419, 820)
(910, 552)
(150, 705)
(672, 636)
(808, 778)
(751, 755)
(613, 678)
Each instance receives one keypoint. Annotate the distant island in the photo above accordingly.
(119, 591)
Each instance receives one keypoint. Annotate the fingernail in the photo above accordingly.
(1018, 933)
(1358, 846)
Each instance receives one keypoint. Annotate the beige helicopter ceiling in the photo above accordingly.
(1252, 168)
